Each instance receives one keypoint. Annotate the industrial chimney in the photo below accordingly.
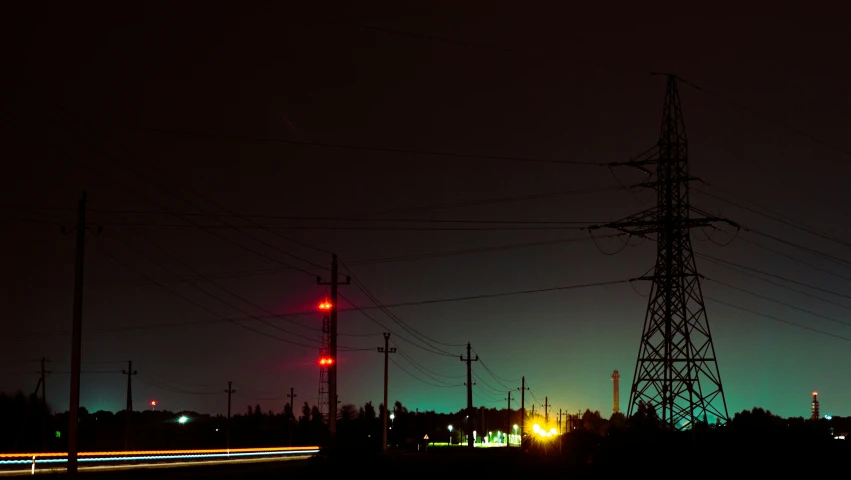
(815, 415)
(616, 393)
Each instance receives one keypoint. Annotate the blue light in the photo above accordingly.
(828, 417)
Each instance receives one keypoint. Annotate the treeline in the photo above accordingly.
(27, 424)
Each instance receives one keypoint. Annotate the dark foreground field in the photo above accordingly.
(498, 462)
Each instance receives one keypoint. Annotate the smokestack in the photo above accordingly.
(616, 393)
(815, 415)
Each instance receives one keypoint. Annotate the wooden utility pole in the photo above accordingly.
(469, 425)
(76, 335)
(522, 389)
(386, 351)
(230, 391)
(508, 420)
(332, 369)
(129, 409)
(291, 396)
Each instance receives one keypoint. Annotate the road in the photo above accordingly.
(162, 460)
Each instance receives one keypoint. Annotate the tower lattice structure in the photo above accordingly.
(324, 355)
(676, 372)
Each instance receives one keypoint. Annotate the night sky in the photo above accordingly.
(175, 108)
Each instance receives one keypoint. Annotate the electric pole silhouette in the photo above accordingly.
(546, 406)
(42, 379)
(469, 425)
(676, 369)
(76, 333)
(522, 389)
(42, 382)
(129, 409)
(291, 418)
(386, 351)
(332, 369)
(230, 391)
(508, 419)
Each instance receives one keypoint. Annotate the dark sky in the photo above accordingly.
(101, 94)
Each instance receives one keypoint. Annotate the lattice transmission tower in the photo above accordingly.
(324, 363)
(676, 373)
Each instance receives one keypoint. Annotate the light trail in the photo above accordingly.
(159, 452)
(94, 468)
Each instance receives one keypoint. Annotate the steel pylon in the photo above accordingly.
(676, 378)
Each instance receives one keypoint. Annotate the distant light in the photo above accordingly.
(183, 419)
(450, 428)
(392, 416)
(58, 434)
(828, 417)
(326, 361)
(326, 305)
(217, 429)
(515, 427)
(815, 393)
(153, 403)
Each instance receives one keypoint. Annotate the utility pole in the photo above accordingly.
(508, 419)
(230, 391)
(469, 425)
(129, 409)
(559, 421)
(291, 396)
(546, 411)
(76, 334)
(332, 369)
(386, 351)
(523, 389)
(43, 381)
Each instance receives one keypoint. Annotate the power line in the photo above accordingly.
(380, 260)
(424, 371)
(428, 340)
(354, 308)
(770, 317)
(483, 46)
(721, 262)
(215, 297)
(420, 379)
(361, 310)
(310, 218)
(126, 265)
(763, 116)
(779, 302)
(242, 228)
(479, 380)
(774, 216)
(344, 146)
(411, 360)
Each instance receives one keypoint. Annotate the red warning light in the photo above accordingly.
(326, 305)
(153, 403)
(325, 361)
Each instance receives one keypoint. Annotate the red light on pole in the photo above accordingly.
(326, 305)
(325, 361)
(153, 404)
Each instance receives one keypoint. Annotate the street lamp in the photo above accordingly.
(450, 434)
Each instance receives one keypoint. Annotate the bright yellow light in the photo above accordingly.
(553, 431)
(815, 393)
(536, 428)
